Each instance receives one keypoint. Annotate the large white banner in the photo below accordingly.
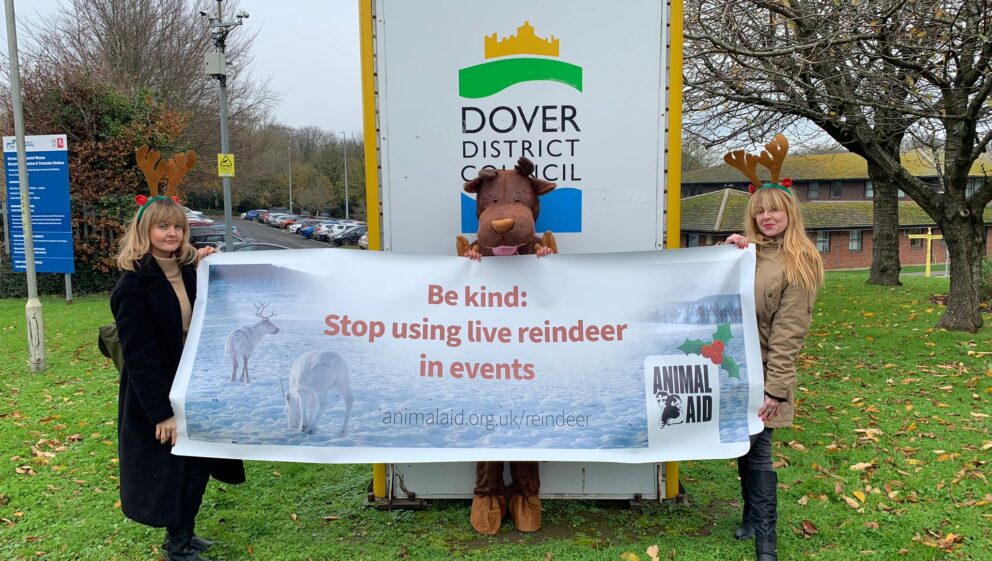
(385, 357)
(577, 86)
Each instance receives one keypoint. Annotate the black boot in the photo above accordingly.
(763, 491)
(199, 544)
(744, 531)
(179, 544)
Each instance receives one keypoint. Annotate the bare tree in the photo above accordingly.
(154, 46)
(868, 74)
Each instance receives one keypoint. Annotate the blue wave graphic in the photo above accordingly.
(561, 212)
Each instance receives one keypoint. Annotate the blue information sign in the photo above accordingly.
(51, 221)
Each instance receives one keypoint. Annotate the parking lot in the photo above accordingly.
(267, 234)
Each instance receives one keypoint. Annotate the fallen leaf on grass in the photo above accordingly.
(629, 556)
(797, 446)
(403, 553)
(653, 551)
(24, 470)
(852, 503)
(549, 556)
(808, 528)
(332, 518)
(872, 525)
(979, 415)
(803, 500)
(861, 466)
(860, 496)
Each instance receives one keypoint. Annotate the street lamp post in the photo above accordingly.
(32, 309)
(216, 66)
(345, 144)
(289, 151)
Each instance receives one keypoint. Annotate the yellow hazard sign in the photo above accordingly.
(225, 165)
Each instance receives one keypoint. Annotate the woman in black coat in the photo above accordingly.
(152, 304)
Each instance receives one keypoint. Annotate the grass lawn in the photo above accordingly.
(890, 460)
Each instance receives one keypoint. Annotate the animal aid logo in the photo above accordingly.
(681, 391)
(550, 134)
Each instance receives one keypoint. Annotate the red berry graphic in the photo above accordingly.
(718, 346)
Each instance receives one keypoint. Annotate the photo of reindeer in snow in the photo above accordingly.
(313, 375)
(242, 341)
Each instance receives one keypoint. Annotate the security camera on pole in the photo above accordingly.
(215, 65)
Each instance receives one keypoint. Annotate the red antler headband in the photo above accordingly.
(144, 201)
(772, 158)
(154, 169)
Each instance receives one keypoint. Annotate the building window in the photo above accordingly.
(823, 242)
(835, 190)
(813, 190)
(869, 189)
(973, 185)
(692, 240)
(855, 241)
(916, 243)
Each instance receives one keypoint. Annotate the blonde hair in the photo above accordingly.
(803, 265)
(136, 244)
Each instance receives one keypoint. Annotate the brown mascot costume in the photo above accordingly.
(507, 206)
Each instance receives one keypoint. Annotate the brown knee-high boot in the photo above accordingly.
(489, 502)
(524, 502)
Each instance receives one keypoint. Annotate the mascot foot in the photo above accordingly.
(526, 512)
(487, 514)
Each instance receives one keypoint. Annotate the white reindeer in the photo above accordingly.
(242, 342)
(311, 377)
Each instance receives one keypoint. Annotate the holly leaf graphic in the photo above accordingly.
(731, 367)
(692, 346)
(723, 333)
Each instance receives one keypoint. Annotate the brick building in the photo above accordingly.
(841, 230)
(837, 208)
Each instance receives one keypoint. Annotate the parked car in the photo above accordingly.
(320, 233)
(363, 242)
(255, 246)
(212, 228)
(349, 236)
(326, 233)
(295, 227)
(289, 220)
(215, 239)
(254, 214)
(273, 219)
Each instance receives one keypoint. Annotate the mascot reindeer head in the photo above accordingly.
(507, 205)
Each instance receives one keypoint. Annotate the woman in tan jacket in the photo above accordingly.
(789, 272)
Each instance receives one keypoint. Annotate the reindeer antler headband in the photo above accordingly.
(772, 158)
(154, 169)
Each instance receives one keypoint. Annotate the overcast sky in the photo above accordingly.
(307, 49)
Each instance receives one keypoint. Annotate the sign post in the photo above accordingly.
(929, 237)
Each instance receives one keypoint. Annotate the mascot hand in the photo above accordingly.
(461, 245)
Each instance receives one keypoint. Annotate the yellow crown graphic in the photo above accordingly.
(525, 42)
